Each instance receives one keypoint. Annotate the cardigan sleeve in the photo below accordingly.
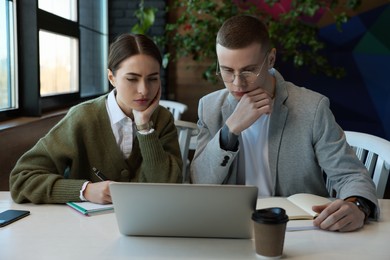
(160, 151)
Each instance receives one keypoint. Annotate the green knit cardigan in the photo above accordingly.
(54, 170)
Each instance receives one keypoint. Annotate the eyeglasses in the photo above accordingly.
(246, 75)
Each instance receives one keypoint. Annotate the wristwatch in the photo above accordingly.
(362, 204)
(145, 127)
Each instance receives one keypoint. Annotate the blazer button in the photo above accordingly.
(225, 160)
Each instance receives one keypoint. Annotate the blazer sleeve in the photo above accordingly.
(338, 160)
(211, 164)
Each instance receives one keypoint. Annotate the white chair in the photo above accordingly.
(185, 130)
(176, 108)
(374, 152)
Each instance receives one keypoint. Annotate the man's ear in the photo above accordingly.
(271, 58)
(111, 77)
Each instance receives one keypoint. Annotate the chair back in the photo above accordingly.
(374, 153)
(176, 108)
(185, 130)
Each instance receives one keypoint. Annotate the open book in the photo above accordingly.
(297, 206)
(89, 208)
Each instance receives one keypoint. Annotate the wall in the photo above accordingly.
(17, 136)
(361, 100)
(121, 19)
(121, 16)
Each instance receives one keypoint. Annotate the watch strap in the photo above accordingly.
(362, 204)
(145, 127)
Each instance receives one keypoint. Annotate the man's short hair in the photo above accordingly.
(241, 31)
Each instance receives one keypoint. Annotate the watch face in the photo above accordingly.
(362, 205)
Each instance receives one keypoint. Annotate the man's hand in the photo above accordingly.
(251, 106)
(339, 215)
(98, 192)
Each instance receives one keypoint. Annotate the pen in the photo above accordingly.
(99, 174)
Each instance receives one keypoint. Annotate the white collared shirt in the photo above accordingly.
(254, 158)
(121, 125)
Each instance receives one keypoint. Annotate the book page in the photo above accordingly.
(306, 201)
(300, 225)
(292, 210)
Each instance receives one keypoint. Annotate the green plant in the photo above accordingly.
(292, 33)
(146, 18)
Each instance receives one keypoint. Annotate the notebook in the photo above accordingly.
(184, 210)
(88, 208)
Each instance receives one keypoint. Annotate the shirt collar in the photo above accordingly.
(114, 111)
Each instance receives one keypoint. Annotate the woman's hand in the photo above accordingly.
(143, 117)
(98, 192)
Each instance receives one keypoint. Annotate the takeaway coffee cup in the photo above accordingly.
(269, 229)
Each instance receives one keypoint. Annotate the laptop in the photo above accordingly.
(184, 210)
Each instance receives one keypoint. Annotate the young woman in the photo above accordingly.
(125, 135)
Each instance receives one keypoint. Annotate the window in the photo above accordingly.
(62, 49)
(8, 76)
(64, 8)
(58, 65)
(58, 53)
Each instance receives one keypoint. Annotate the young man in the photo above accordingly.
(267, 132)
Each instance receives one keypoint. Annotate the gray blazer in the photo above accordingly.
(304, 143)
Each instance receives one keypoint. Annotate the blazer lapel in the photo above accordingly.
(276, 127)
(228, 107)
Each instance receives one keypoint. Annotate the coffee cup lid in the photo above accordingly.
(273, 215)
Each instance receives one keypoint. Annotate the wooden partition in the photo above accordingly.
(17, 137)
(186, 85)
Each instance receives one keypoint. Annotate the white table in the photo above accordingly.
(58, 232)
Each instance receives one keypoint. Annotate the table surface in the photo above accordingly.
(59, 232)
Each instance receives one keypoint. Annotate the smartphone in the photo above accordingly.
(11, 215)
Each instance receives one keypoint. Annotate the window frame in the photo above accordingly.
(29, 20)
(12, 64)
(56, 24)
